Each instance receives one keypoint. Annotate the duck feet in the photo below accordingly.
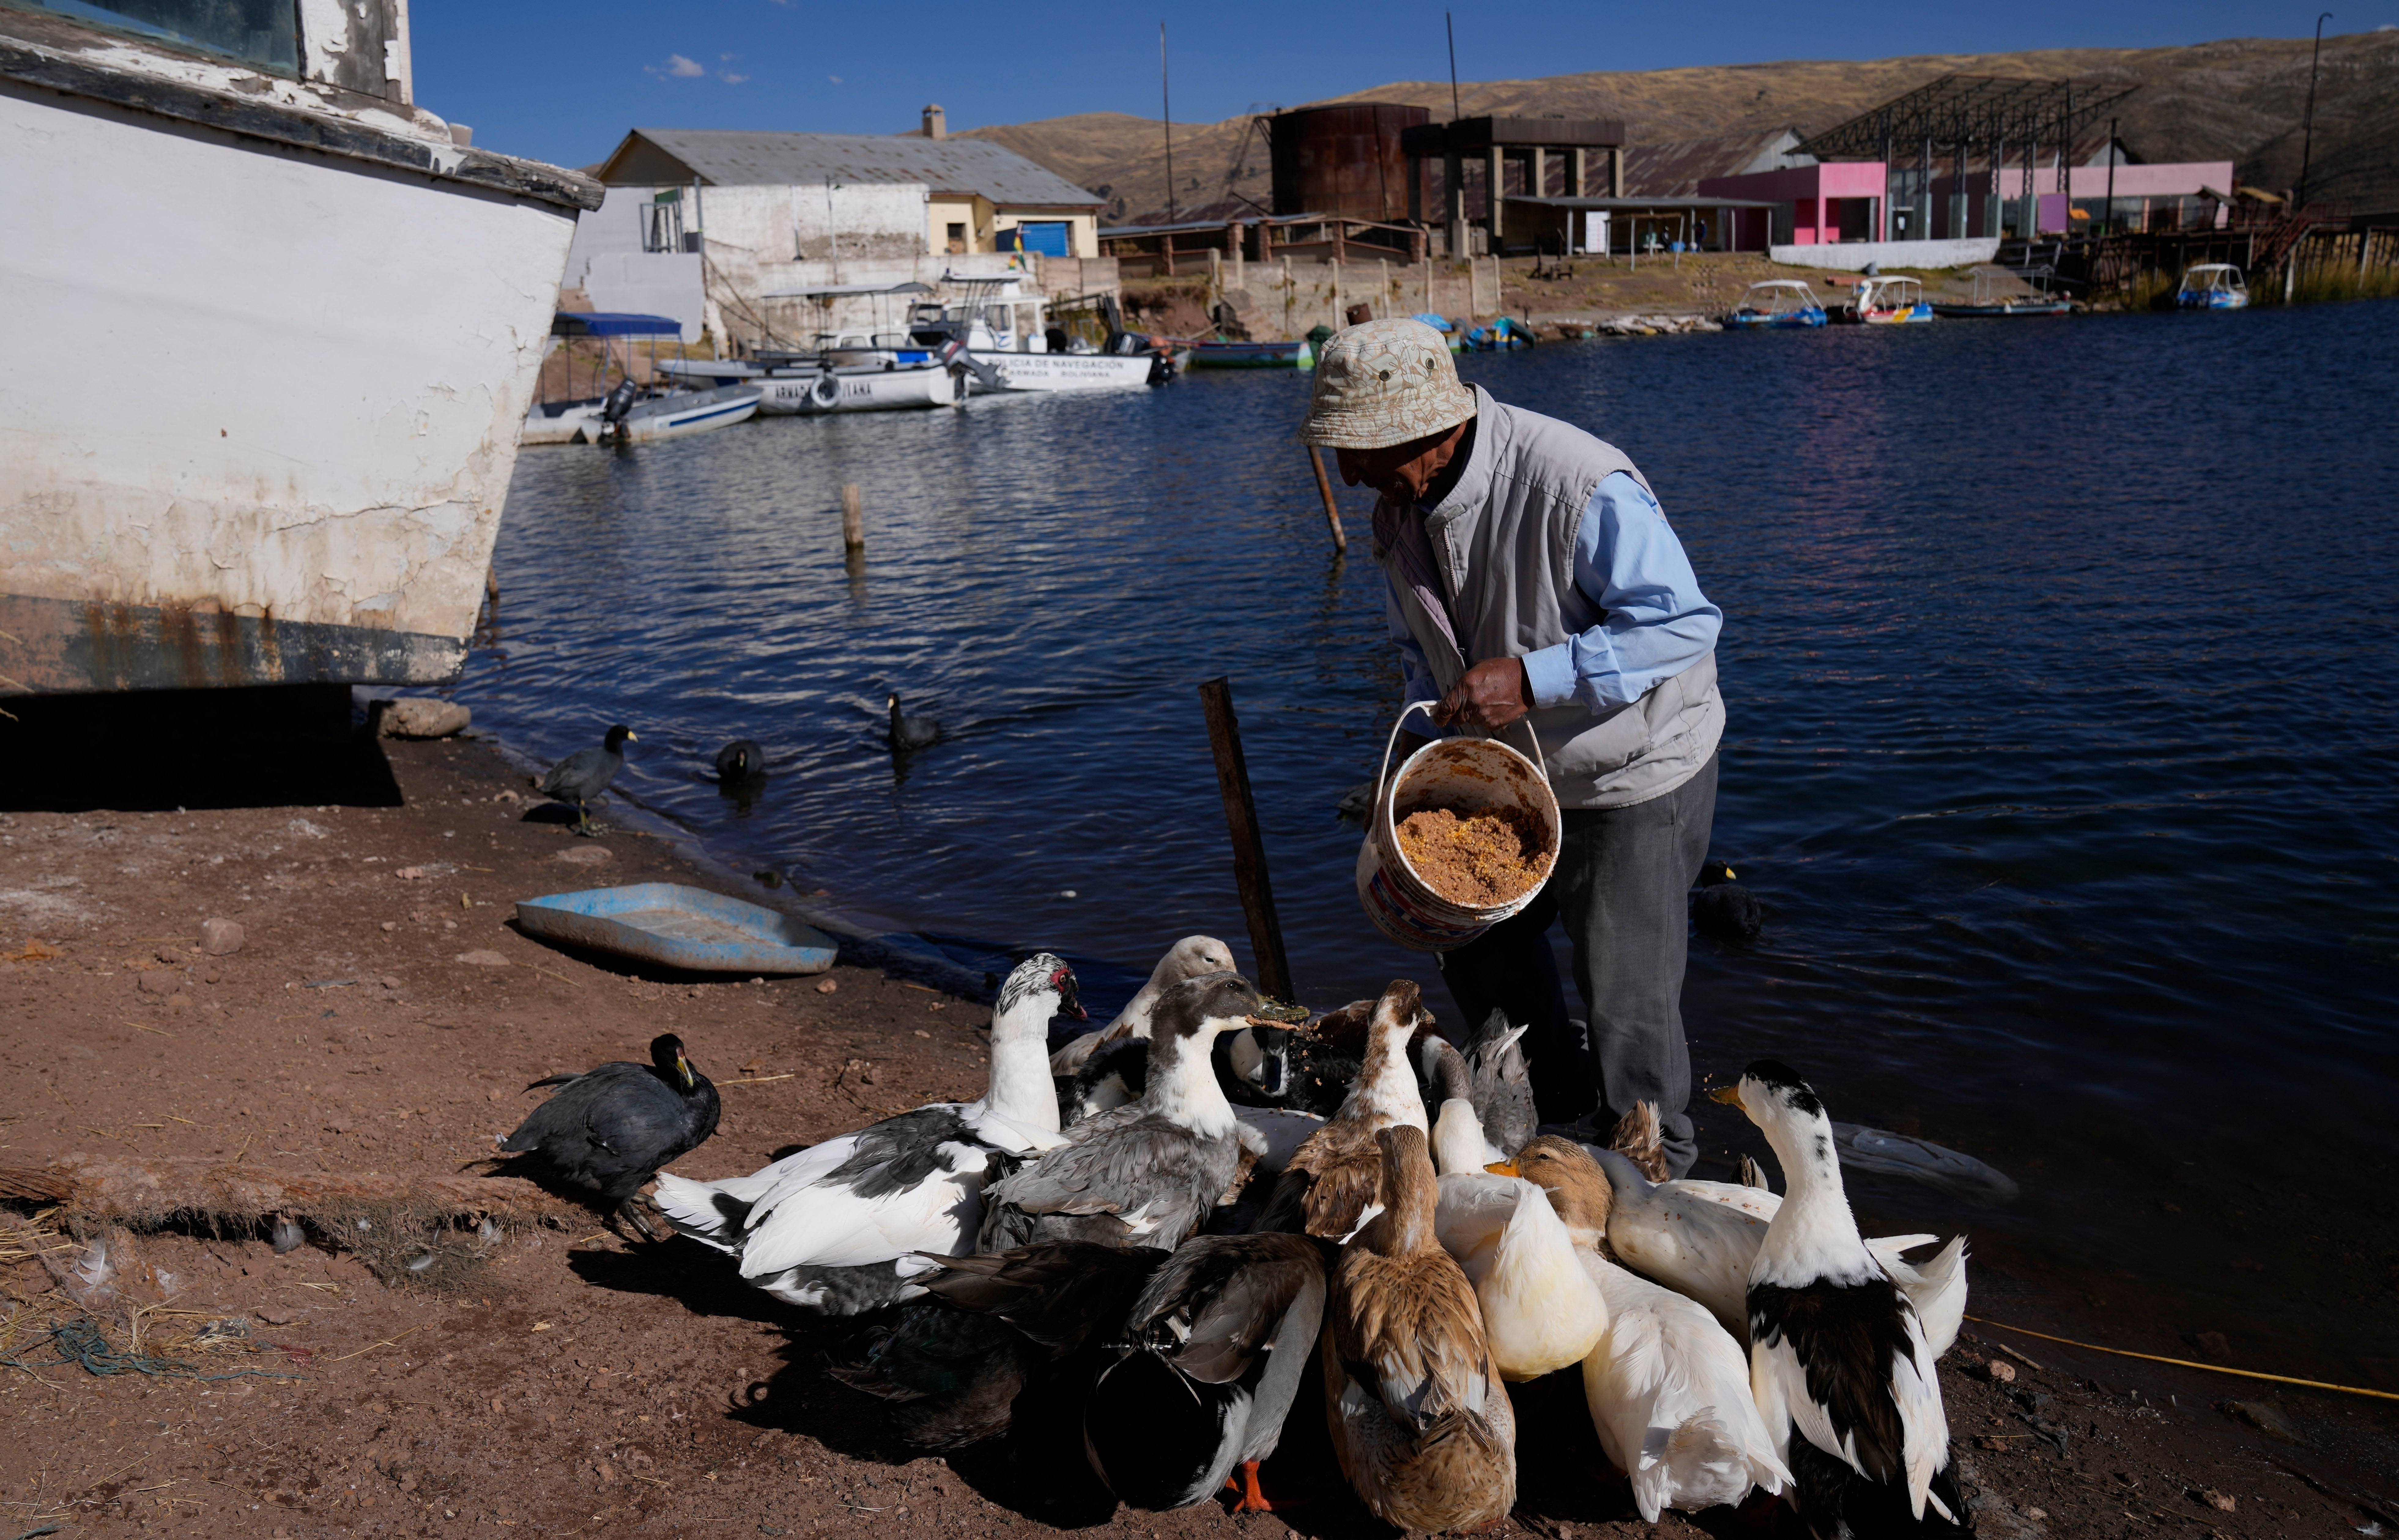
(1251, 1499)
(636, 1213)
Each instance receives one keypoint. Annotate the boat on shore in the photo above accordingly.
(1886, 302)
(1777, 305)
(341, 307)
(2212, 286)
(1222, 355)
(1987, 301)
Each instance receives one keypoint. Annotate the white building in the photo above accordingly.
(718, 228)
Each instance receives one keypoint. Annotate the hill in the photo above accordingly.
(2237, 100)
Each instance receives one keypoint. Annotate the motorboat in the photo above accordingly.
(1009, 348)
(1988, 303)
(2212, 286)
(341, 305)
(673, 414)
(1886, 302)
(1228, 355)
(1777, 304)
(802, 386)
(632, 412)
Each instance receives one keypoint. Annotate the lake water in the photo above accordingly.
(2059, 659)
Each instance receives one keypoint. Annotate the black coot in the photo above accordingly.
(909, 732)
(741, 760)
(610, 1128)
(583, 774)
(1724, 908)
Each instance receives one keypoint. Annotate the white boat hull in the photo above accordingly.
(1070, 370)
(860, 390)
(687, 413)
(337, 358)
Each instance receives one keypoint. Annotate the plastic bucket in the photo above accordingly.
(1471, 774)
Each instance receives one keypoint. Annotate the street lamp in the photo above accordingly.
(2308, 143)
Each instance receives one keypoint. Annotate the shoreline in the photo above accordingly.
(562, 1373)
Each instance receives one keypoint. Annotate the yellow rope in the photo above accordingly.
(2185, 1363)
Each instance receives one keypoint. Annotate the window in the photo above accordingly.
(662, 221)
(957, 238)
(265, 33)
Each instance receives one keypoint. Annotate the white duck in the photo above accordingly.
(1668, 1390)
(1701, 1238)
(1837, 1355)
(1188, 958)
(835, 1228)
(1541, 1311)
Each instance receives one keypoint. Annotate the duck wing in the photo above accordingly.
(1060, 1294)
(1502, 1083)
(908, 1183)
(1845, 1364)
(1154, 1176)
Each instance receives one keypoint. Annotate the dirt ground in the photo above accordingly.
(383, 1014)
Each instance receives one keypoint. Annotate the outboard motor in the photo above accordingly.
(620, 402)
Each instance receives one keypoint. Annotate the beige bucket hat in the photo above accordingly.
(1383, 382)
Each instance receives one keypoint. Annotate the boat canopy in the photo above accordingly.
(844, 290)
(613, 323)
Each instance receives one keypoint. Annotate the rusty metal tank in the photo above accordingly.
(1342, 160)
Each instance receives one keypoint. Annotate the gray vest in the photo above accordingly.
(1504, 539)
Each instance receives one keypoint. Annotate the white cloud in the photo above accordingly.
(730, 78)
(684, 68)
(834, 78)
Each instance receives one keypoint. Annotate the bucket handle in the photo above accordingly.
(1541, 760)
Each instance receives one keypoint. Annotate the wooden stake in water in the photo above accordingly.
(1249, 849)
(1332, 509)
(853, 518)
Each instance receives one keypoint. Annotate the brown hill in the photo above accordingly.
(2237, 100)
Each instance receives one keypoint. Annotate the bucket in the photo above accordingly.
(1471, 774)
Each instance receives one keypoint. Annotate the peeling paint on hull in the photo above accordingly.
(296, 473)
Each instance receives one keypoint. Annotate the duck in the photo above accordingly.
(1668, 1387)
(1701, 1238)
(840, 1227)
(1502, 1081)
(1421, 1424)
(1839, 1364)
(1188, 958)
(740, 762)
(1723, 908)
(583, 774)
(1541, 1312)
(1335, 1178)
(1147, 1173)
(1000, 1335)
(1198, 1382)
(612, 1127)
(1749, 1173)
(906, 731)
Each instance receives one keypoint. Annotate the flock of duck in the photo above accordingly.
(1157, 1228)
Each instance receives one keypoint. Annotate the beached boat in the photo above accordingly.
(1886, 302)
(1988, 303)
(1777, 304)
(1290, 355)
(1502, 334)
(2212, 286)
(340, 308)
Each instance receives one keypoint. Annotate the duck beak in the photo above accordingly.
(1728, 1095)
(632, 737)
(682, 1067)
(1503, 1167)
(1730, 875)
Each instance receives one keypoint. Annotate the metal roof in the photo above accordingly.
(1958, 110)
(737, 157)
(1597, 203)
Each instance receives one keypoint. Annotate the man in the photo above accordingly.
(1536, 592)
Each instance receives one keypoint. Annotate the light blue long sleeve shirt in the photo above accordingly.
(1636, 615)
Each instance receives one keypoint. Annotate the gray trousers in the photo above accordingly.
(1622, 884)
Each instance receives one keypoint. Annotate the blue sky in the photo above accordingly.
(563, 83)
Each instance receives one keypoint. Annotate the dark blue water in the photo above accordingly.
(2060, 663)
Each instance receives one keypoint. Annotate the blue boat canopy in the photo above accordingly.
(612, 323)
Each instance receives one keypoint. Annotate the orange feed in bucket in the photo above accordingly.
(1473, 858)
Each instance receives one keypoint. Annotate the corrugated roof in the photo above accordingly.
(736, 157)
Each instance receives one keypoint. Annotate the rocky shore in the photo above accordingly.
(235, 997)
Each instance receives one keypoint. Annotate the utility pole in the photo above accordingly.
(1166, 105)
(2308, 150)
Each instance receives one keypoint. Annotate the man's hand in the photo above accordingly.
(1489, 696)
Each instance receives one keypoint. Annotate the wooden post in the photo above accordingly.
(853, 518)
(1249, 850)
(1332, 509)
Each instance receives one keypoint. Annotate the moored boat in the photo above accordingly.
(1988, 303)
(1777, 305)
(1886, 302)
(2212, 286)
(341, 307)
(1291, 355)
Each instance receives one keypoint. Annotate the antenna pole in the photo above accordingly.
(2308, 153)
(1166, 105)
(1451, 27)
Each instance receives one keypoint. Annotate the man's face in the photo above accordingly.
(1402, 472)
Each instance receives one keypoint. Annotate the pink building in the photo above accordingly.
(2170, 196)
(1835, 200)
